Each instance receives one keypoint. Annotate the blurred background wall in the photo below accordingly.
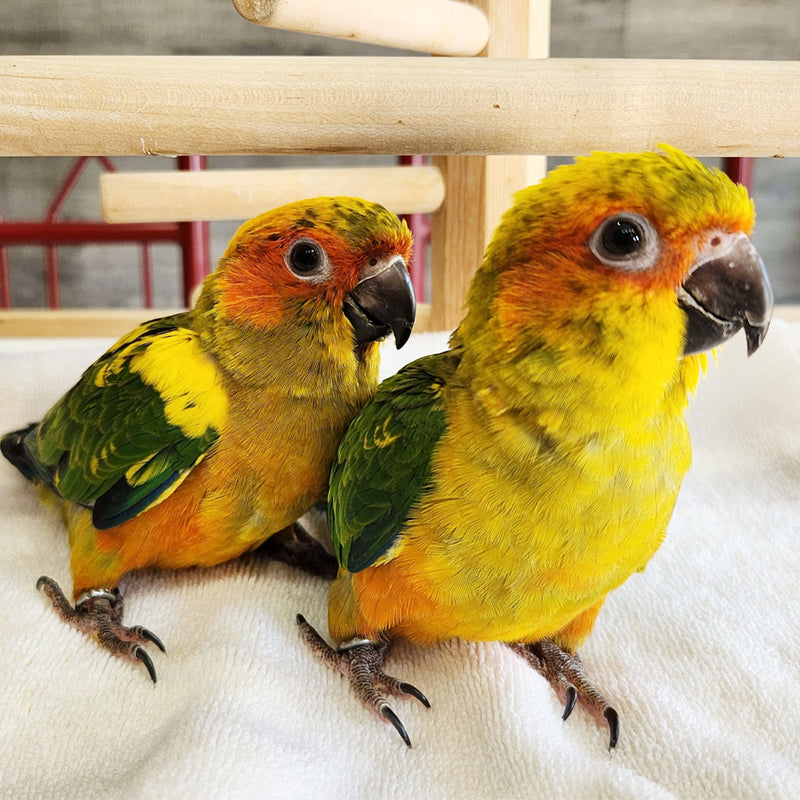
(109, 276)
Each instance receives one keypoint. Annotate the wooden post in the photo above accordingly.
(479, 188)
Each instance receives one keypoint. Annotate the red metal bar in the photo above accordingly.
(196, 251)
(108, 166)
(147, 276)
(55, 232)
(420, 226)
(740, 170)
(5, 282)
(195, 256)
(52, 286)
(67, 185)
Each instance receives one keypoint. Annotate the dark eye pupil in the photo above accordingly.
(622, 237)
(305, 257)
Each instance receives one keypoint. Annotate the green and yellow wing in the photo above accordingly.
(125, 436)
(383, 465)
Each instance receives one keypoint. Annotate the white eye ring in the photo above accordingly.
(307, 259)
(626, 241)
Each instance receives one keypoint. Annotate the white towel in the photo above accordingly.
(699, 654)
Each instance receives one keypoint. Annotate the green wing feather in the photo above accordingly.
(384, 461)
(134, 425)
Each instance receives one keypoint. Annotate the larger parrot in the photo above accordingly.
(198, 436)
(500, 490)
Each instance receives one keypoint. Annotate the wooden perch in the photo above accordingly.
(444, 27)
(170, 105)
(161, 196)
(74, 321)
(114, 322)
(117, 321)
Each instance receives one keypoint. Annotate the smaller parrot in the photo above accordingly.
(498, 491)
(200, 435)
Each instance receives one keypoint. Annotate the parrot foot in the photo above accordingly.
(564, 672)
(98, 613)
(296, 547)
(361, 660)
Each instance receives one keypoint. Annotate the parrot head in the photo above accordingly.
(335, 267)
(621, 241)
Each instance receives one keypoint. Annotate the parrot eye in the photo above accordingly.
(627, 241)
(306, 258)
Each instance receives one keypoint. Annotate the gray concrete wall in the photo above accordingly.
(94, 275)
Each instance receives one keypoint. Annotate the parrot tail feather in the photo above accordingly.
(12, 446)
(361, 661)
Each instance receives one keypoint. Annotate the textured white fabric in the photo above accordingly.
(699, 654)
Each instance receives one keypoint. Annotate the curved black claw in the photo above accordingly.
(613, 726)
(564, 671)
(142, 655)
(151, 637)
(409, 688)
(572, 698)
(361, 661)
(99, 614)
(387, 713)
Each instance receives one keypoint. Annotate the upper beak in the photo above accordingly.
(727, 289)
(383, 301)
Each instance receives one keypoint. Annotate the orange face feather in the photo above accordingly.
(259, 288)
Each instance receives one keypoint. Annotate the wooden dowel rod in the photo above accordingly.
(168, 105)
(162, 196)
(75, 321)
(444, 27)
(105, 321)
(117, 322)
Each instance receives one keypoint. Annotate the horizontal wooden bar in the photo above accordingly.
(443, 27)
(116, 322)
(61, 323)
(103, 321)
(788, 313)
(168, 105)
(162, 196)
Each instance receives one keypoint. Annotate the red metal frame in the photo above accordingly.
(191, 237)
(5, 286)
(740, 170)
(420, 226)
(194, 239)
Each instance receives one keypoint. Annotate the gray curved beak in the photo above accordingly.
(382, 303)
(725, 292)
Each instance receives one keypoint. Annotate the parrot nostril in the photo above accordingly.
(716, 241)
(373, 261)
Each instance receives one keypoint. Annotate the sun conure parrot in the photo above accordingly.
(500, 490)
(198, 436)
